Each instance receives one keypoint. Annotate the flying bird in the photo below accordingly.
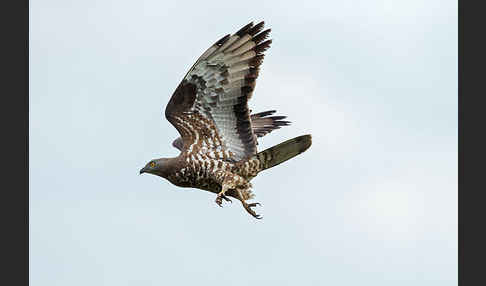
(218, 132)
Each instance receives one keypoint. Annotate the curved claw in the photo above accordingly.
(219, 199)
(250, 211)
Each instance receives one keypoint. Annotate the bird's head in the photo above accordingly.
(157, 167)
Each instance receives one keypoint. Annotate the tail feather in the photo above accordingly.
(283, 151)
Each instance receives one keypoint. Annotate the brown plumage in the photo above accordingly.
(218, 140)
(261, 125)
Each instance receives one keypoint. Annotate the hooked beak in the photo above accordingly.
(143, 170)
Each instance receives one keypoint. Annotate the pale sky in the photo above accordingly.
(372, 202)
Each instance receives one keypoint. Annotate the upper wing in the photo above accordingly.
(261, 124)
(209, 108)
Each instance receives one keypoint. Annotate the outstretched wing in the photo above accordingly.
(261, 124)
(209, 108)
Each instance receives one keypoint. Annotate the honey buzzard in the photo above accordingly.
(218, 140)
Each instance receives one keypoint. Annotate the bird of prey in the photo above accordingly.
(209, 108)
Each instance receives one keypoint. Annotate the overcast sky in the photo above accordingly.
(372, 202)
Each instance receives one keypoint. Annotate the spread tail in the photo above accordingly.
(283, 151)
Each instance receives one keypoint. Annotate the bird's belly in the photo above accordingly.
(208, 185)
(200, 180)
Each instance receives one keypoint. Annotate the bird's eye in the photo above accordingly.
(152, 164)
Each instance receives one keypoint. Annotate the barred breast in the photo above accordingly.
(197, 173)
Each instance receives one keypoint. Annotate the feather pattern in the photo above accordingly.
(210, 106)
(261, 125)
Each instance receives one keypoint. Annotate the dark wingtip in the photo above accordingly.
(256, 29)
(245, 29)
(282, 123)
(264, 113)
(223, 40)
(262, 47)
(262, 36)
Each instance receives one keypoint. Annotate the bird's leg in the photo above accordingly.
(250, 211)
(229, 182)
(221, 196)
(241, 197)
